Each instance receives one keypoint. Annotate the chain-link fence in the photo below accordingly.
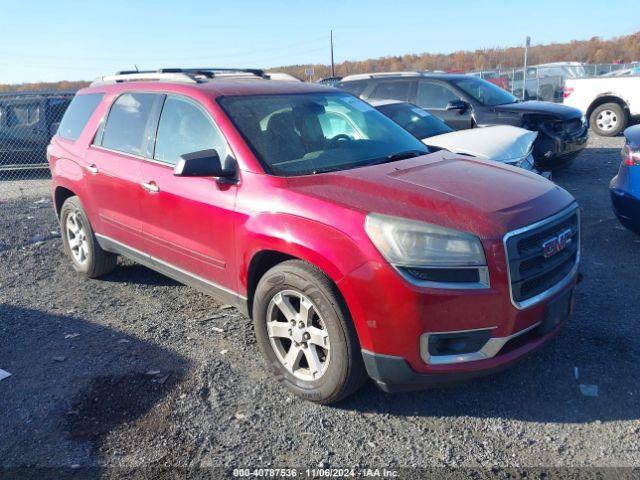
(28, 120)
(546, 82)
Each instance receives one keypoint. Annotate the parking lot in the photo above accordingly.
(138, 370)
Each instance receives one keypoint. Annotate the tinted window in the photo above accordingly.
(484, 92)
(398, 90)
(127, 123)
(355, 88)
(292, 134)
(185, 128)
(23, 115)
(434, 95)
(78, 114)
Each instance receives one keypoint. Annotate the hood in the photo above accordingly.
(562, 112)
(501, 143)
(479, 196)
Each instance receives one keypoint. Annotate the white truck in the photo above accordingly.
(608, 102)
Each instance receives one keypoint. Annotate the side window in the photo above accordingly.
(23, 115)
(355, 88)
(185, 128)
(434, 95)
(333, 124)
(397, 90)
(77, 115)
(127, 123)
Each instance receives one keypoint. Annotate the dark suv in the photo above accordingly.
(464, 101)
(27, 123)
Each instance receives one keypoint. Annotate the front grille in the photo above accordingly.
(531, 272)
(571, 127)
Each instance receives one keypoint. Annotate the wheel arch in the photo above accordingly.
(60, 195)
(607, 98)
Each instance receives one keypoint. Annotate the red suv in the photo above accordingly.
(356, 253)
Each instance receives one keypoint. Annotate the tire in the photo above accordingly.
(299, 284)
(87, 256)
(608, 119)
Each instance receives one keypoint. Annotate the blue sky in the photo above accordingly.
(70, 40)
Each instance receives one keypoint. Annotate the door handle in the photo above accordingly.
(150, 187)
(92, 169)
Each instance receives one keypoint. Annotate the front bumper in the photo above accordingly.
(552, 151)
(394, 374)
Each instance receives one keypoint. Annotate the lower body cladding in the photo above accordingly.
(552, 152)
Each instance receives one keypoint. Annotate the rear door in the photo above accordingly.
(113, 163)
(433, 96)
(188, 221)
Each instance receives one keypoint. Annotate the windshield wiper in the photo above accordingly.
(401, 156)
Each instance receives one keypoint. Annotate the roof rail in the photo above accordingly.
(187, 75)
(365, 76)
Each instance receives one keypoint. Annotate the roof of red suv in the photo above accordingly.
(217, 87)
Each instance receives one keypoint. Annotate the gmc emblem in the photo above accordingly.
(556, 244)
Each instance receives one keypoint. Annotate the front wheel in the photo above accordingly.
(608, 119)
(305, 333)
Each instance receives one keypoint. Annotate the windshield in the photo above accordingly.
(299, 134)
(484, 92)
(415, 120)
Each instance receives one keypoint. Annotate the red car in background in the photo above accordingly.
(356, 253)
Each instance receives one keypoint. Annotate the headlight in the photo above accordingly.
(584, 120)
(410, 243)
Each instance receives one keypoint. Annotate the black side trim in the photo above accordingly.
(393, 374)
(175, 273)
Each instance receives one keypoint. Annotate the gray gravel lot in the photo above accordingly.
(137, 370)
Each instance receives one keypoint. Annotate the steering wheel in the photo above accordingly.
(341, 137)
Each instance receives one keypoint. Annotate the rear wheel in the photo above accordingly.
(608, 119)
(305, 333)
(80, 243)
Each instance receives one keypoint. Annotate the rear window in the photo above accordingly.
(77, 115)
(127, 123)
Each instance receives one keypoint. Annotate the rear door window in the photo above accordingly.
(396, 90)
(355, 88)
(77, 115)
(434, 95)
(184, 128)
(127, 128)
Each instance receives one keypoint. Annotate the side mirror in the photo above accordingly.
(204, 163)
(459, 105)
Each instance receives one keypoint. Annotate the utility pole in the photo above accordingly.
(527, 44)
(333, 67)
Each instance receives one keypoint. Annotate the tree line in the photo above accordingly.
(595, 50)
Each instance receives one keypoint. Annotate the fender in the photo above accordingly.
(70, 175)
(298, 237)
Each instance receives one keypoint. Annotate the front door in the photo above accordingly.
(434, 96)
(188, 221)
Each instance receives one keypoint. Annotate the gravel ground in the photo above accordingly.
(136, 370)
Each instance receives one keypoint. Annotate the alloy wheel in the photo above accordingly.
(77, 238)
(298, 335)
